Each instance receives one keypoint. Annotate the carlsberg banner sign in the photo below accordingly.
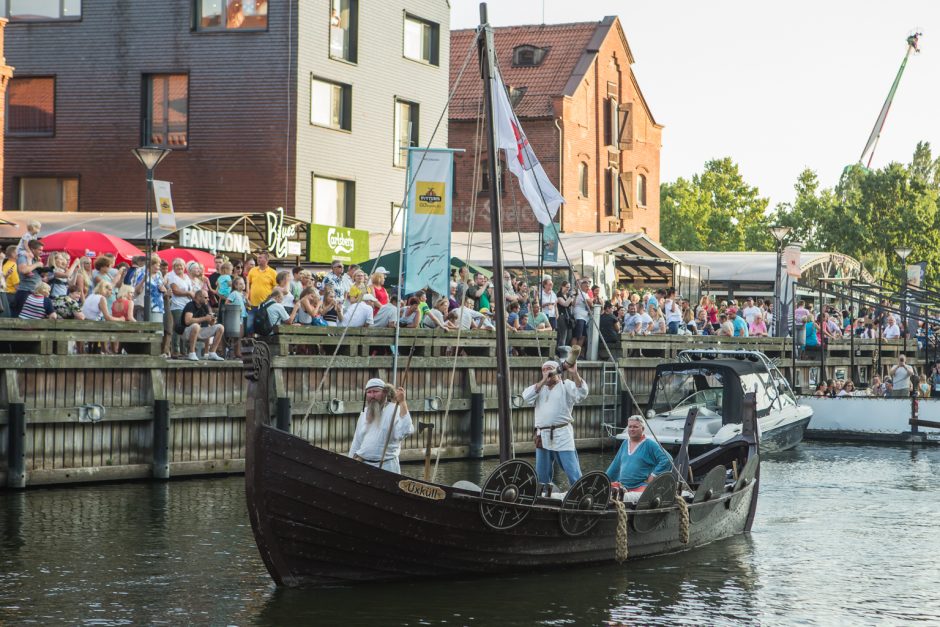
(327, 243)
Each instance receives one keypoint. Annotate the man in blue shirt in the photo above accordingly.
(740, 324)
(639, 459)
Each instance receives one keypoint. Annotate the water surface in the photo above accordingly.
(844, 535)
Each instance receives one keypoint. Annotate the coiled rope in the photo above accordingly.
(621, 551)
(683, 520)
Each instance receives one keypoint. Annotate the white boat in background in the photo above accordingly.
(871, 419)
(715, 381)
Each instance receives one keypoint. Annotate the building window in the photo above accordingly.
(334, 202)
(583, 179)
(232, 14)
(422, 40)
(48, 194)
(40, 10)
(612, 189)
(398, 219)
(344, 29)
(406, 130)
(167, 119)
(31, 106)
(528, 56)
(330, 104)
(641, 190)
(613, 122)
(485, 176)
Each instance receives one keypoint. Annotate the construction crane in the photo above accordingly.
(872, 142)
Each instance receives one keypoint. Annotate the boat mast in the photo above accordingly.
(487, 53)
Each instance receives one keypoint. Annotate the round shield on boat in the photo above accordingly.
(506, 494)
(591, 493)
(659, 494)
(711, 487)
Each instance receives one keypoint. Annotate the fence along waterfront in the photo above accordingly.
(75, 418)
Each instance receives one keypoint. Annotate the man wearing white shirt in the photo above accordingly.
(554, 399)
(892, 330)
(375, 421)
(582, 309)
(360, 314)
(751, 312)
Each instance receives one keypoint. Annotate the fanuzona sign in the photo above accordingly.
(326, 243)
(428, 220)
(280, 235)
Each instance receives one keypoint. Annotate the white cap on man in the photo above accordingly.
(381, 270)
(375, 383)
(551, 363)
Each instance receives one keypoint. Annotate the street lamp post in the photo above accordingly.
(779, 233)
(903, 253)
(150, 157)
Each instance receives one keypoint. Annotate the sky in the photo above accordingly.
(778, 87)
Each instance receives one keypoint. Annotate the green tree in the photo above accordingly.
(715, 210)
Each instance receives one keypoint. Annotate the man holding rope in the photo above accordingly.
(381, 427)
(554, 435)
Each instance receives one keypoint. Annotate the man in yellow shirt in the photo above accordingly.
(9, 269)
(261, 280)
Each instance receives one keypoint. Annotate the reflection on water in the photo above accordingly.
(844, 534)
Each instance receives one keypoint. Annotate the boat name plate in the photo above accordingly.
(424, 490)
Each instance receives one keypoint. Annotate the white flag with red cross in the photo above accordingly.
(536, 187)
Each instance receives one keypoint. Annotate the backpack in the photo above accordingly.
(263, 324)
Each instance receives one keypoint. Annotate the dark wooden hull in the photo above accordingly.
(320, 518)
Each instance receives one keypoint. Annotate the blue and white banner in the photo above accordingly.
(428, 220)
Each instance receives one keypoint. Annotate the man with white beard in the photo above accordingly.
(373, 426)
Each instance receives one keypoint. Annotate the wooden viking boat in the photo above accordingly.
(320, 518)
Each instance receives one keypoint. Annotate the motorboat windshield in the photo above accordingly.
(679, 390)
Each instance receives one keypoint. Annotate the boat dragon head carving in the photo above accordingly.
(259, 364)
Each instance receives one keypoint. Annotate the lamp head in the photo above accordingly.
(151, 156)
(779, 232)
(903, 252)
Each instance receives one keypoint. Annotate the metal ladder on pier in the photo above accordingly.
(610, 391)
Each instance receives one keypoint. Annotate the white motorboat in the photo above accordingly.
(714, 382)
(871, 419)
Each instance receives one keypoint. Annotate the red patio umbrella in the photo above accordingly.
(91, 243)
(189, 254)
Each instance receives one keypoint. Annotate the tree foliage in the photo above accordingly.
(715, 210)
(868, 214)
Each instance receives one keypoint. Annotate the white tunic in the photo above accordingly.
(370, 438)
(552, 408)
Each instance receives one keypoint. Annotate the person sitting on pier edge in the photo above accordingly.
(198, 323)
(554, 436)
(639, 459)
(372, 428)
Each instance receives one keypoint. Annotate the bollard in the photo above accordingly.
(161, 439)
(16, 449)
(476, 425)
(282, 412)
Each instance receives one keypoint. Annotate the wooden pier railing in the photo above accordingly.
(67, 416)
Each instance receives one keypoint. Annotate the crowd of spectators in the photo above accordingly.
(254, 297)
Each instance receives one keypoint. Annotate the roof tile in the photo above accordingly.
(566, 43)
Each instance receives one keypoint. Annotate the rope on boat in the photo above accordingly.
(477, 177)
(683, 520)
(621, 551)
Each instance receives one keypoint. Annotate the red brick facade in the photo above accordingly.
(5, 73)
(569, 109)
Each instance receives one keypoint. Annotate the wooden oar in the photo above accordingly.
(391, 424)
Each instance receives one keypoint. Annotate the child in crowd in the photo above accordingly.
(32, 232)
(224, 283)
(236, 296)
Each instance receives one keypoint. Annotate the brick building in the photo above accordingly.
(304, 105)
(6, 72)
(581, 107)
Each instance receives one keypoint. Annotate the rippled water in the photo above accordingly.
(844, 535)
